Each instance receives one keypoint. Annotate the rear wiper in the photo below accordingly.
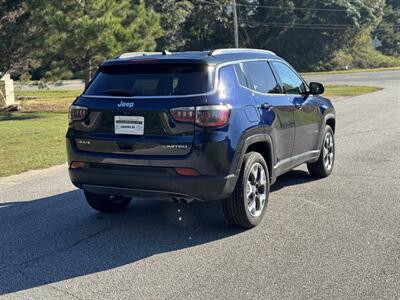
(117, 92)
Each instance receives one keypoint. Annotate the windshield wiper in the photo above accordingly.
(117, 92)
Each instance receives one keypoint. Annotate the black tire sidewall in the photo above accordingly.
(317, 169)
(327, 130)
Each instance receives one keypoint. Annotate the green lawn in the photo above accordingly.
(31, 141)
(340, 91)
(44, 100)
(352, 71)
(34, 140)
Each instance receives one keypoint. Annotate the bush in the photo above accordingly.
(361, 55)
(374, 59)
(340, 61)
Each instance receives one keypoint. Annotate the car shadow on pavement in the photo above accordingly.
(293, 177)
(58, 238)
(52, 239)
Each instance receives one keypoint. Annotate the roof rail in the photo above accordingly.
(133, 54)
(239, 50)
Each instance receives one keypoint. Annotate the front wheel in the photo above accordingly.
(246, 206)
(324, 165)
(107, 203)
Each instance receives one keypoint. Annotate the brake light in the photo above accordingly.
(212, 115)
(183, 114)
(203, 116)
(77, 113)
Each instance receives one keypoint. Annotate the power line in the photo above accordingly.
(313, 25)
(242, 40)
(252, 45)
(344, 26)
(321, 26)
(294, 8)
(303, 26)
(277, 7)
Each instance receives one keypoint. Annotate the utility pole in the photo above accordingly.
(235, 24)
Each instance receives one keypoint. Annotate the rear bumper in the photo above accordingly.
(154, 182)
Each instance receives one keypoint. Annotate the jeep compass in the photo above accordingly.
(206, 125)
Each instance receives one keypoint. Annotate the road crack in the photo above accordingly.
(25, 264)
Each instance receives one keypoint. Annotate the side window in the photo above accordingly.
(259, 77)
(243, 80)
(227, 82)
(290, 80)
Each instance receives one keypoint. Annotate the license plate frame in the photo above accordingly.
(132, 125)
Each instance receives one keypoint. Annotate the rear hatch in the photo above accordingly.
(129, 108)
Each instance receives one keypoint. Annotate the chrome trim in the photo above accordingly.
(148, 97)
(191, 108)
(213, 107)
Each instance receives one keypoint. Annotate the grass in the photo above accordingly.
(31, 141)
(340, 91)
(59, 101)
(35, 138)
(352, 71)
(44, 100)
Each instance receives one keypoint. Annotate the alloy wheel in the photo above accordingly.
(256, 189)
(328, 151)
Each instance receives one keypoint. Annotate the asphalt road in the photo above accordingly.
(333, 238)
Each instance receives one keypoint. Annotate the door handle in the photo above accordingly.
(298, 105)
(266, 106)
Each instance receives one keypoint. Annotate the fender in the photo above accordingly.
(328, 116)
(245, 143)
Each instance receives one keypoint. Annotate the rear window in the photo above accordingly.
(151, 80)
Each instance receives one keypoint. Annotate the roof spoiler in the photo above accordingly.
(239, 50)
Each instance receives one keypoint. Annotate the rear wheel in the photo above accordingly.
(107, 203)
(324, 165)
(246, 206)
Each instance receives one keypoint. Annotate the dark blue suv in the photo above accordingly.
(205, 125)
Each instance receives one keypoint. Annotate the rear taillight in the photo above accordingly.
(183, 114)
(212, 115)
(203, 116)
(77, 113)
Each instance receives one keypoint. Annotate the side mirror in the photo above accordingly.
(316, 88)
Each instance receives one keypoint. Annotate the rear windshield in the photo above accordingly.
(151, 80)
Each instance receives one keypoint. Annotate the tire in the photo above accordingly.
(247, 204)
(107, 203)
(324, 165)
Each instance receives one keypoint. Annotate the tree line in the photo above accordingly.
(55, 39)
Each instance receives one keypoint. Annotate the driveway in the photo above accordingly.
(337, 237)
